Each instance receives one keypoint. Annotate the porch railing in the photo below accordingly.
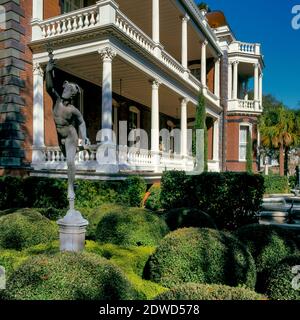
(128, 159)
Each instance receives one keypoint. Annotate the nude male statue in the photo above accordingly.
(67, 119)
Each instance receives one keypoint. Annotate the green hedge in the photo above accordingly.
(275, 184)
(202, 256)
(188, 217)
(25, 228)
(36, 192)
(282, 278)
(268, 245)
(68, 276)
(153, 202)
(131, 227)
(194, 291)
(231, 199)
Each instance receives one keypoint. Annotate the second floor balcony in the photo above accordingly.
(167, 35)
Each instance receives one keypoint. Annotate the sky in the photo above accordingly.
(269, 22)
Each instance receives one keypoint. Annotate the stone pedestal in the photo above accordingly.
(72, 230)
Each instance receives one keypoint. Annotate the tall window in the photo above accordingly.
(244, 130)
(71, 5)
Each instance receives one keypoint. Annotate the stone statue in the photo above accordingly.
(69, 123)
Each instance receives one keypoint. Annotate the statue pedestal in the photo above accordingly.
(72, 230)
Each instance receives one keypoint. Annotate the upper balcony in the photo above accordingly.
(164, 36)
(245, 48)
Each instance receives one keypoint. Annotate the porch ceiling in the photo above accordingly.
(140, 12)
(128, 81)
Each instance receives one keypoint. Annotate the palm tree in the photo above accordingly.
(279, 130)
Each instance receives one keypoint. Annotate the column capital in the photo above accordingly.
(107, 53)
(204, 43)
(185, 18)
(155, 83)
(38, 70)
(256, 65)
(184, 101)
(235, 62)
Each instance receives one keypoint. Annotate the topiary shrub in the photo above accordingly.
(132, 191)
(201, 256)
(25, 228)
(268, 245)
(188, 217)
(196, 291)
(131, 227)
(275, 184)
(284, 280)
(68, 276)
(153, 201)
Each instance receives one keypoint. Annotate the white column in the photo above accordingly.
(38, 114)
(256, 85)
(37, 16)
(184, 41)
(107, 55)
(37, 9)
(216, 141)
(155, 121)
(229, 80)
(155, 21)
(235, 79)
(217, 78)
(261, 88)
(183, 127)
(203, 63)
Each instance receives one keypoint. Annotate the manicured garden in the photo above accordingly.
(190, 238)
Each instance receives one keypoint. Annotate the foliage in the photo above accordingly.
(68, 276)
(188, 217)
(249, 153)
(279, 128)
(284, 274)
(196, 291)
(132, 261)
(268, 245)
(231, 199)
(132, 191)
(200, 124)
(131, 227)
(275, 184)
(25, 228)
(202, 256)
(153, 202)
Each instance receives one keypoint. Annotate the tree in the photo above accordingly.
(249, 153)
(279, 129)
(200, 124)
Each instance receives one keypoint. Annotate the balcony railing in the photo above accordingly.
(239, 105)
(246, 48)
(128, 159)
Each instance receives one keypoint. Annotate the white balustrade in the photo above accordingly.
(74, 21)
(134, 32)
(246, 104)
(172, 63)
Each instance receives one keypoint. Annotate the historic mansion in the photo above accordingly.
(138, 63)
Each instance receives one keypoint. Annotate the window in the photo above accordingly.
(71, 5)
(244, 130)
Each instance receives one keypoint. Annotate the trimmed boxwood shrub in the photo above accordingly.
(276, 184)
(201, 256)
(195, 291)
(188, 217)
(131, 227)
(268, 245)
(68, 276)
(231, 199)
(282, 278)
(25, 228)
(132, 191)
(95, 215)
(153, 201)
